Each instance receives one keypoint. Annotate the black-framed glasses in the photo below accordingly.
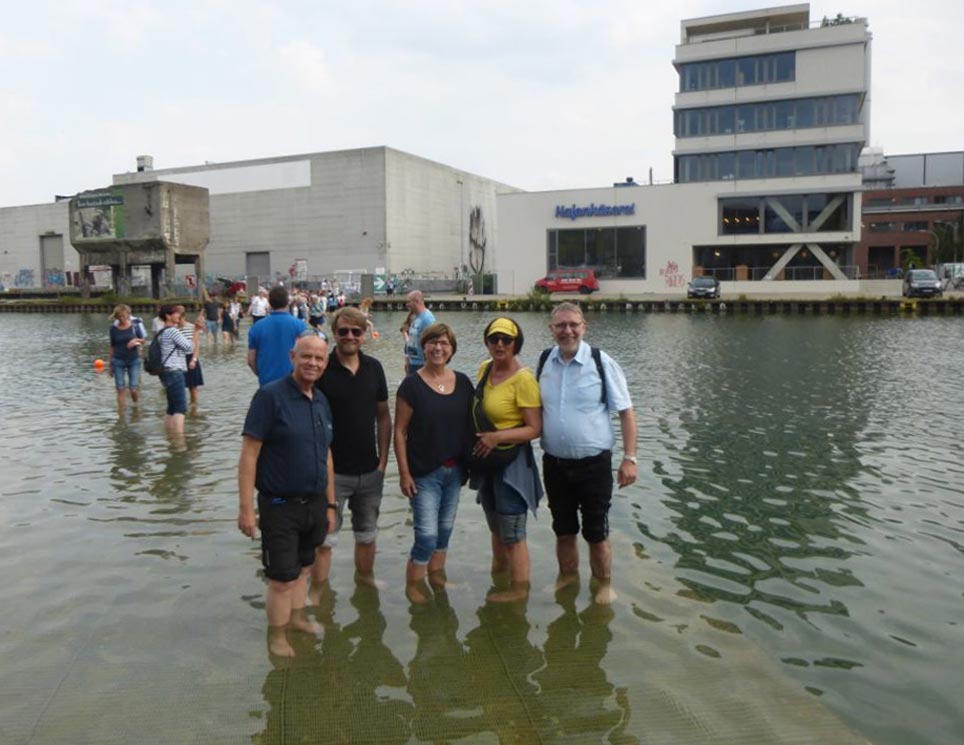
(344, 331)
(503, 339)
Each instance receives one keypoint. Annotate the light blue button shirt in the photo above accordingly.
(575, 422)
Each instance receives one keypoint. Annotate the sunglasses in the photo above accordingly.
(495, 339)
(344, 331)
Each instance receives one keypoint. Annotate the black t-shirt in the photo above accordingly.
(439, 429)
(354, 408)
(211, 309)
(295, 432)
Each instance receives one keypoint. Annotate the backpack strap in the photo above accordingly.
(173, 349)
(597, 358)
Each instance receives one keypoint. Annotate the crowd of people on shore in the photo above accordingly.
(318, 431)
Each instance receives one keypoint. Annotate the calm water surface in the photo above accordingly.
(790, 565)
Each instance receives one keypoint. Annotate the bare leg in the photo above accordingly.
(518, 560)
(299, 618)
(365, 558)
(600, 562)
(193, 391)
(436, 571)
(135, 394)
(567, 554)
(319, 574)
(278, 604)
(500, 559)
(121, 399)
(415, 589)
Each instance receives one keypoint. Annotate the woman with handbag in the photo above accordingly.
(507, 413)
(432, 440)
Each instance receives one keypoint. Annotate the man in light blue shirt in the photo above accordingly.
(414, 354)
(271, 341)
(577, 439)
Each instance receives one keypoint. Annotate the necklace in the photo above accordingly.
(435, 382)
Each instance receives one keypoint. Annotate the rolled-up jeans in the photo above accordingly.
(434, 507)
(173, 382)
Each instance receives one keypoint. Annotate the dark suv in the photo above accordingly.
(703, 287)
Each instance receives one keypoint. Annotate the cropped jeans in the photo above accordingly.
(434, 507)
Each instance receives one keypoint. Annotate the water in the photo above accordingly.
(789, 565)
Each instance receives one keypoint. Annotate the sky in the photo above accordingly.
(538, 95)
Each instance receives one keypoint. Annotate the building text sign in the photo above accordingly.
(574, 212)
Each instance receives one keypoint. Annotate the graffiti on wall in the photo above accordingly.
(671, 275)
(477, 239)
(24, 278)
(55, 278)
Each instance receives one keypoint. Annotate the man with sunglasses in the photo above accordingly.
(357, 392)
(580, 388)
(414, 354)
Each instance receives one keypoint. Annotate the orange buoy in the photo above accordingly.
(375, 334)
(98, 365)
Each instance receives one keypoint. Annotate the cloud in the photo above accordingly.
(305, 63)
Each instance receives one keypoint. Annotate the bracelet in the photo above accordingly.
(631, 458)
(332, 506)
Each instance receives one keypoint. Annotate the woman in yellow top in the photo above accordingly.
(512, 403)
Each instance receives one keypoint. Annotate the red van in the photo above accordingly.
(569, 280)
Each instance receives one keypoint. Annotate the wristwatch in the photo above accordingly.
(631, 458)
(332, 506)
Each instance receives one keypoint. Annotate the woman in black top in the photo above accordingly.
(432, 438)
(126, 338)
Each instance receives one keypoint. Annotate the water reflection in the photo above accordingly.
(760, 470)
(337, 691)
(577, 700)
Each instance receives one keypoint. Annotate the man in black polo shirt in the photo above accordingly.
(285, 454)
(355, 387)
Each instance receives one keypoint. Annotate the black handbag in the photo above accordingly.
(501, 455)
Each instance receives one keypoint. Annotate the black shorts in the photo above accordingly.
(290, 530)
(582, 485)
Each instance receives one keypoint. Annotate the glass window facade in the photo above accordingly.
(611, 252)
(775, 163)
(786, 213)
(738, 72)
(831, 111)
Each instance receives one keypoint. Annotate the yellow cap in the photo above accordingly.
(503, 326)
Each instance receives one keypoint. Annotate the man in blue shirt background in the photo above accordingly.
(271, 341)
(414, 354)
(577, 439)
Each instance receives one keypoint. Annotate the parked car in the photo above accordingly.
(922, 283)
(703, 287)
(583, 281)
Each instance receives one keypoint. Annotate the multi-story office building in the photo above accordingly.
(777, 110)
(770, 116)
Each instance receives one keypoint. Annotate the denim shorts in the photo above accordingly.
(505, 509)
(363, 494)
(433, 509)
(124, 370)
(173, 381)
(212, 327)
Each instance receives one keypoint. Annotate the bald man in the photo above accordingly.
(286, 455)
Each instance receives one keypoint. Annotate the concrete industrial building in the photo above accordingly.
(371, 209)
(770, 117)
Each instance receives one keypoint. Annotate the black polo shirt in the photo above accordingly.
(295, 432)
(354, 402)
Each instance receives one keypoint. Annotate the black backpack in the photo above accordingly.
(153, 364)
(597, 358)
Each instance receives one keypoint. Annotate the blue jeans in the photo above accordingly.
(434, 508)
(124, 370)
(173, 381)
